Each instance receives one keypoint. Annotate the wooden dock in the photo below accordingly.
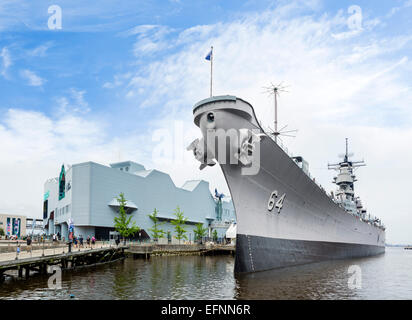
(40, 264)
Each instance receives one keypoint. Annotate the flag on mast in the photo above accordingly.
(210, 58)
(209, 55)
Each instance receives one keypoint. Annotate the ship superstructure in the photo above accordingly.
(345, 193)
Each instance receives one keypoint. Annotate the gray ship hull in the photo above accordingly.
(255, 253)
(310, 226)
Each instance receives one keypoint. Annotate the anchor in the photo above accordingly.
(205, 158)
(248, 142)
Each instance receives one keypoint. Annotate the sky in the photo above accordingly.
(117, 81)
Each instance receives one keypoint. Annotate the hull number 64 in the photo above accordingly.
(274, 202)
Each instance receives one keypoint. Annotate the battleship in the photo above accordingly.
(284, 217)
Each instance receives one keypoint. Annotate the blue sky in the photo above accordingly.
(75, 57)
(93, 46)
(121, 76)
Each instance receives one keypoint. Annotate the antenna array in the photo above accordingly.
(275, 91)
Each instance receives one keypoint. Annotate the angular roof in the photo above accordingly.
(191, 185)
(143, 173)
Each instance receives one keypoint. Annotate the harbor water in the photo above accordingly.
(387, 276)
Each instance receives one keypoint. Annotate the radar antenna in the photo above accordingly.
(346, 156)
(275, 91)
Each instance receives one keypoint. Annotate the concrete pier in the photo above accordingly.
(146, 250)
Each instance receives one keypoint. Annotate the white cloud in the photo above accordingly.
(118, 81)
(394, 10)
(32, 78)
(6, 61)
(40, 51)
(74, 103)
(141, 30)
(150, 39)
(33, 147)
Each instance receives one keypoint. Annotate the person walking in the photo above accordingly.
(28, 241)
(88, 241)
(18, 250)
(93, 241)
(81, 241)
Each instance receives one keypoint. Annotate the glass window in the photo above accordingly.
(45, 207)
(62, 183)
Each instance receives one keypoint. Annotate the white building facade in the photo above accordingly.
(86, 193)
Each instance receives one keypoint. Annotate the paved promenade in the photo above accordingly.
(10, 256)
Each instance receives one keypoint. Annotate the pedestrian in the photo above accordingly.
(28, 244)
(81, 241)
(117, 241)
(93, 240)
(18, 250)
(88, 241)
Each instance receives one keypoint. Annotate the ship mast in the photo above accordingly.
(346, 155)
(275, 90)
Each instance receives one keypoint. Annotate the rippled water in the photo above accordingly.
(387, 276)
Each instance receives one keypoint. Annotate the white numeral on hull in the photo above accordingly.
(278, 204)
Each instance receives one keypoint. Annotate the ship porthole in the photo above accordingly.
(210, 117)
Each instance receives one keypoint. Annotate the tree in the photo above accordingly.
(1, 232)
(215, 235)
(200, 232)
(156, 232)
(179, 223)
(121, 223)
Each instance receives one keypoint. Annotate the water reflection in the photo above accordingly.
(314, 281)
(193, 277)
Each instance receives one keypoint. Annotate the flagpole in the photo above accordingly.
(211, 71)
